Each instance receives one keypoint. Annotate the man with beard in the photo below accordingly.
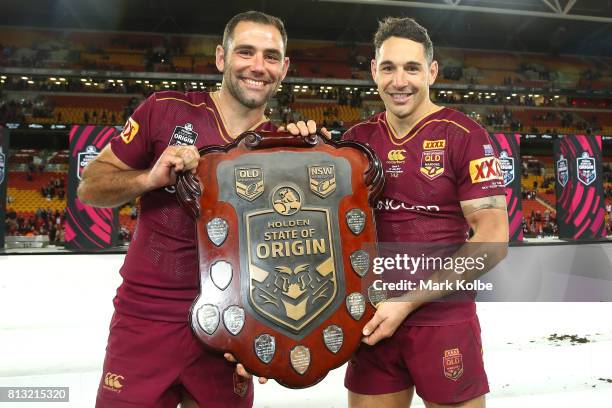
(442, 179)
(152, 358)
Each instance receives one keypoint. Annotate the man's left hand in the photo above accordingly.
(389, 315)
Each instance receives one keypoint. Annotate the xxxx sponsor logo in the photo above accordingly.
(129, 130)
(396, 155)
(485, 169)
(112, 382)
(434, 144)
(453, 364)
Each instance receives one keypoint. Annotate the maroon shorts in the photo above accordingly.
(443, 363)
(151, 364)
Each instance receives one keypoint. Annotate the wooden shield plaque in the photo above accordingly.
(286, 238)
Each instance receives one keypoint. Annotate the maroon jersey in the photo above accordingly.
(160, 271)
(444, 159)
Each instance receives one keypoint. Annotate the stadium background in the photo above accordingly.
(538, 68)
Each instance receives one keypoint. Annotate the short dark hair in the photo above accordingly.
(404, 27)
(253, 17)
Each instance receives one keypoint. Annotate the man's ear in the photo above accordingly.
(286, 67)
(220, 58)
(433, 72)
(373, 68)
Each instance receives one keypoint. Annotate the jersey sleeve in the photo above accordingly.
(476, 166)
(349, 134)
(133, 145)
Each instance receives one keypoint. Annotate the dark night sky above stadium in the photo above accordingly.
(338, 20)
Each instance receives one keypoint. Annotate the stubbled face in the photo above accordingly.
(403, 77)
(254, 63)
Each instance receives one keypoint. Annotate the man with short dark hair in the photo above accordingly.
(153, 360)
(442, 179)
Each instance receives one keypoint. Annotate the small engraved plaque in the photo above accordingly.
(265, 346)
(208, 318)
(217, 230)
(221, 274)
(376, 295)
(233, 319)
(355, 304)
(300, 359)
(360, 261)
(333, 338)
(355, 219)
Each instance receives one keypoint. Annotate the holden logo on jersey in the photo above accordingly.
(396, 155)
(183, 135)
(432, 163)
(84, 158)
(507, 165)
(129, 130)
(434, 144)
(562, 171)
(485, 169)
(587, 171)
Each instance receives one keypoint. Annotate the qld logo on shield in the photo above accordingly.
(585, 167)
(562, 171)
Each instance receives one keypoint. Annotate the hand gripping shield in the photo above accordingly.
(286, 237)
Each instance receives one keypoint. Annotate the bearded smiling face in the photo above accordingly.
(254, 63)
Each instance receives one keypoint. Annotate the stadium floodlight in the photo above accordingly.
(329, 87)
(138, 81)
(471, 93)
(165, 82)
(111, 80)
(24, 78)
(63, 79)
(146, 82)
(58, 83)
(173, 82)
(52, 79)
(30, 82)
(120, 81)
(83, 80)
(3, 77)
(513, 94)
(556, 96)
(493, 93)
(536, 95)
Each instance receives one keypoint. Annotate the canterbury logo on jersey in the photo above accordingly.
(434, 144)
(113, 381)
(396, 155)
(485, 169)
(129, 130)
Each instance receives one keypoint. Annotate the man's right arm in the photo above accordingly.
(109, 182)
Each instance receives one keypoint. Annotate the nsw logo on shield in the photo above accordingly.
(585, 166)
(562, 171)
(507, 165)
(84, 158)
(2, 165)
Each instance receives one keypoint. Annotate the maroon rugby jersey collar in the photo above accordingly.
(221, 123)
(414, 130)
